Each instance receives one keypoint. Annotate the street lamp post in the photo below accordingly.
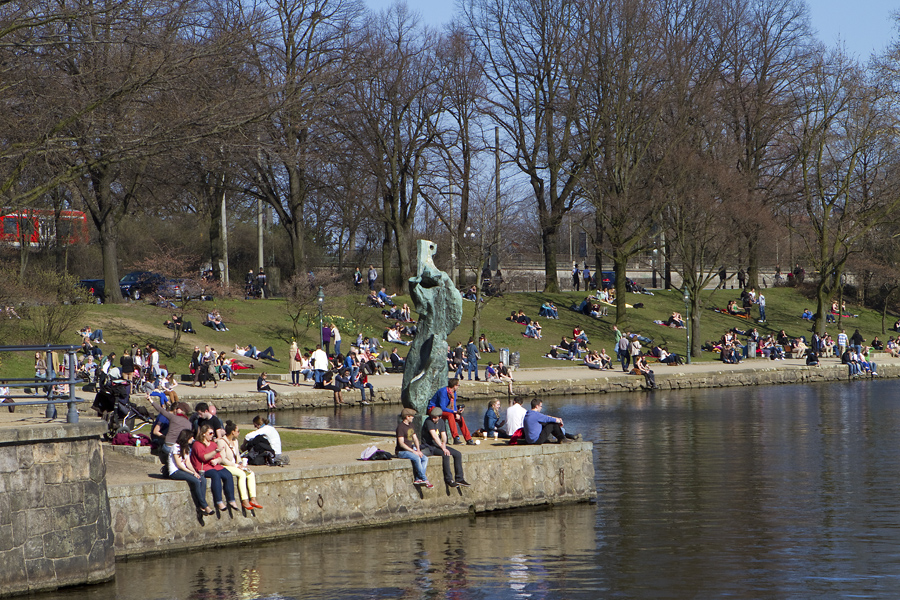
(687, 321)
(320, 297)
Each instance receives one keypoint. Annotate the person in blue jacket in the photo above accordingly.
(540, 427)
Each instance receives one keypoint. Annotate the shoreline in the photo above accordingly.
(240, 395)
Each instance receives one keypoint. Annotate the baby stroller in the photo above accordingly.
(113, 404)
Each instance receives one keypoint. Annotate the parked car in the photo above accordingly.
(180, 288)
(608, 280)
(95, 287)
(140, 283)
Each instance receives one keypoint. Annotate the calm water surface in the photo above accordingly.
(779, 492)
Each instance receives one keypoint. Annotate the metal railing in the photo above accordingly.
(53, 389)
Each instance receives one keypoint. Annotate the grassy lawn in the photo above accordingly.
(266, 323)
(296, 440)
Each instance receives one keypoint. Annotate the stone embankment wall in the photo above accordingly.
(54, 511)
(666, 377)
(159, 516)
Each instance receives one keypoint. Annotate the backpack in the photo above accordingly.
(259, 451)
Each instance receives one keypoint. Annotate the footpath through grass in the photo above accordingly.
(266, 323)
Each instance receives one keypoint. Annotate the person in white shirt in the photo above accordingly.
(515, 415)
(264, 429)
(320, 364)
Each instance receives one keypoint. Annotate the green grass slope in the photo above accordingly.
(266, 323)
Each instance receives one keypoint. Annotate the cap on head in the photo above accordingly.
(407, 412)
(435, 411)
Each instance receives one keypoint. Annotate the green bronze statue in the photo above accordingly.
(439, 305)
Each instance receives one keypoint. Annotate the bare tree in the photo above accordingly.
(533, 53)
(389, 111)
(628, 99)
(767, 46)
(844, 175)
(299, 61)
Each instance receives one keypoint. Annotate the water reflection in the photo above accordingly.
(781, 492)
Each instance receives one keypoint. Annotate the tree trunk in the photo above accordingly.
(823, 294)
(753, 261)
(215, 238)
(386, 275)
(598, 248)
(696, 339)
(298, 246)
(403, 261)
(109, 252)
(550, 237)
(884, 307)
(620, 261)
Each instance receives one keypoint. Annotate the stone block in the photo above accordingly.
(29, 490)
(40, 571)
(6, 538)
(40, 521)
(58, 544)
(71, 569)
(34, 547)
(9, 459)
(12, 571)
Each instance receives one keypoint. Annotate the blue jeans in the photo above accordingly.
(418, 464)
(220, 479)
(270, 397)
(762, 312)
(473, 368)
(197, 486)
(362, 389)
(96, 335)
(625, 358)
(337, 347)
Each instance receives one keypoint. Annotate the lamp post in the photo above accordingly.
(687, 321)
(320, 297)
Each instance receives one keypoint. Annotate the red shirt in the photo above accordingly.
(198, 451)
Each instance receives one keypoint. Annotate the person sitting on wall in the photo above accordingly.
(494, 424)
(642, 368)
(445, 399)
(539, 428)
(434, 443)
(408, 447)
(515, 415)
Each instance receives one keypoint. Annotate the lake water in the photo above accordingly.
(758, 492)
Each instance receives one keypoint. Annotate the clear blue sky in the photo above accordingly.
(863, 26)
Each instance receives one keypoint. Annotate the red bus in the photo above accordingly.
(40, 227)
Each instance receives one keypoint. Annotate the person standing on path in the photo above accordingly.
(472, 358)
(576, 281)
(622, 351)
(856, 341)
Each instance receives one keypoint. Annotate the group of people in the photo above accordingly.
(256, 286)
(517, 424)
(749, 298)
(197, 448)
